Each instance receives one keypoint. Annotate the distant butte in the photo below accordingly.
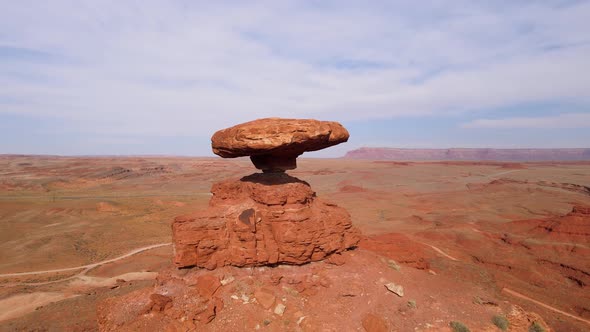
(465, 154)
(273, 144)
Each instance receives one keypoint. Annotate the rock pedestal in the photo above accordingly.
(269, 218)
(262, 219)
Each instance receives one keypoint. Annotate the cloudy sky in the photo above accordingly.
(159, 77)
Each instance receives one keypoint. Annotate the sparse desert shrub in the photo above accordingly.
(536, 327)
(459, 327)
(501, 322)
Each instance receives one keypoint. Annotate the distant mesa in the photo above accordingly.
(273, 144)
(461, 154)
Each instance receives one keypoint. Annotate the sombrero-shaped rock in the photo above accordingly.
(274, 144)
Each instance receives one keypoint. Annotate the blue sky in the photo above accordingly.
(160, 77)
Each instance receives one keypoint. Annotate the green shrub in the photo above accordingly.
(501, 322)
(459, 327)
(536, 327)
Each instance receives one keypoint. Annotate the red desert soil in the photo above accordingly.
(520, 155)
(318, 296)
(467, 241)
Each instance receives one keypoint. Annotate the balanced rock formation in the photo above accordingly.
(262, 219)
(273, 144)
(266, 218)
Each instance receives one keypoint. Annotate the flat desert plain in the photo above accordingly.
(465, 239)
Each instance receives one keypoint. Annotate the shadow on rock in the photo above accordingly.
(269, 179)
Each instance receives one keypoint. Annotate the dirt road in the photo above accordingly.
(544, 305)
(89, 266)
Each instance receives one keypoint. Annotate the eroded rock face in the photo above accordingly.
(274, 144)
(262, 219)
(573, 227)
(174, 303)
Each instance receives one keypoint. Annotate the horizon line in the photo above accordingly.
(214, 156)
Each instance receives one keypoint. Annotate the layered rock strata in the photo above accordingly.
(262, 219)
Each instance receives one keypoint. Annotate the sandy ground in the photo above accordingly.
(21, 304)
(477, 224)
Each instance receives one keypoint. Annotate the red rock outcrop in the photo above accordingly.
(312, 297)
(174, 303)
(400, 248)
(262, 219)
(574, 226)
(274, 144)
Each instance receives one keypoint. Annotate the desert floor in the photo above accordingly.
(469, 237)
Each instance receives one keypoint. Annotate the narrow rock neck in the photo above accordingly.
(270, 163)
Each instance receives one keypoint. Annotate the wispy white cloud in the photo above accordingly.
(567, 120)
(184, 67)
